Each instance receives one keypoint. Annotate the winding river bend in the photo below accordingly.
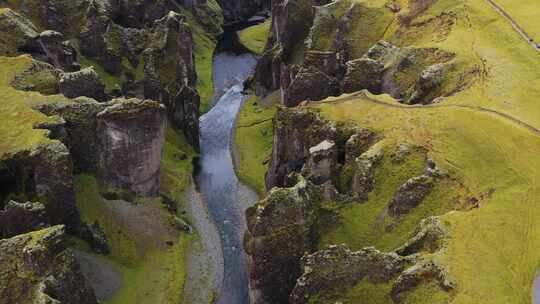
(216, 179)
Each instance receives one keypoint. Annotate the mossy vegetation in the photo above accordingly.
(253, 138)
(176, 165)
(16, 113)
(145, 248)
(492, 155)
(255, 37)
(367, 224)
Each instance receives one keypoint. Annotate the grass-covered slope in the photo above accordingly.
(254, 37)
(16, 114)
(493, 250)
(153, 270)
(484, 136)
(253, 139)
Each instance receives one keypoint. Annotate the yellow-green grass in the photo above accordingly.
(371, 230)
(254, 37)
(152, 272)
(109, 80)
(525, 13)
(493, 253)
(16, 114)
(505, 63)
(253, 140)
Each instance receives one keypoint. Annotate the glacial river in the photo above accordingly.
(216, 179)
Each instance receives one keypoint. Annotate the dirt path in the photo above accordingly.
(364, 96)
(515, 25)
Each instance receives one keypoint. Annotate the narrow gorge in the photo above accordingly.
(269, 151)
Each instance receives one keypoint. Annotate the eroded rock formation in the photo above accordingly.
(131, 136)
(37, 268)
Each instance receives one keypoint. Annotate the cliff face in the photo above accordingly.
(317, 169)
(131, 135)
(37, 268)
(146, 46)
(318, 49)
(238, 11)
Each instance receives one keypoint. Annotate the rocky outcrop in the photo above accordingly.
(429, 237)
(58, 52)
(80, 130)
(37, 268)
(85, 82)
(421, 273)
(410, 195)
(295, 132)
(121, 140)
(323, 151)
(280, 231)
(17, 34)
(43, 174)
(363, 73)
(170, 73)
(17, 218)
(337, 268)
(131, 136)
(40, 77)
(309, 84)
(291, 21)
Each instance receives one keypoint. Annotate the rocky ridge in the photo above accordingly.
(332, 54)
(314, 162)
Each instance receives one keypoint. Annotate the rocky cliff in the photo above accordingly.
(37, 268)
(131, 136)
(320, 49)
(317, 168)
(146, 46)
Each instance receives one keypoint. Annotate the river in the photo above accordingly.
(217, 182)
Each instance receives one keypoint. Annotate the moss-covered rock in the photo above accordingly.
(85, 82)
(336, 268)
(37, 268)
(129, 155)
(17, 34)
(280, 231)
(40, 77)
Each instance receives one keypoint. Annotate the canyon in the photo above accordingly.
(283, 151)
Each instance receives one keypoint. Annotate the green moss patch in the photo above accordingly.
(253, 138)
(254, 37)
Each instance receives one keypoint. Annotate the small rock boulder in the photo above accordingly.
(410, 195)
(363, 73)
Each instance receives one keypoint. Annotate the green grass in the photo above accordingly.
(253, 140)
(483, 151)
(364, 224)
(205, 44)
(152, 273)
(254, 37)
(176, 165)
(16, 113)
